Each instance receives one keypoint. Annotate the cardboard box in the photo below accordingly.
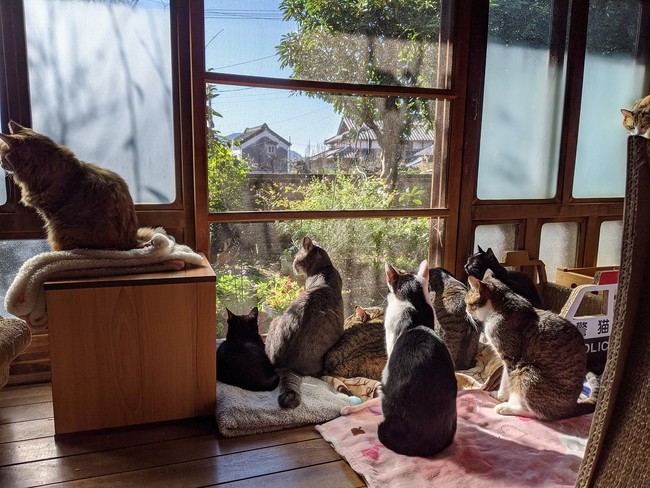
(572, 277)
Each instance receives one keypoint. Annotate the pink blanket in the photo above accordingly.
(490, 450)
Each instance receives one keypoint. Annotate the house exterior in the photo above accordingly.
(356, 145)
(265, 150)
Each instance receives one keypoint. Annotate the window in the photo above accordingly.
(613, 66)
(101, 83)
(375, 148)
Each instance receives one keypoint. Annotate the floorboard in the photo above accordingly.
(182, 453)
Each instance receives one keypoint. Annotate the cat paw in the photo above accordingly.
(290, 399)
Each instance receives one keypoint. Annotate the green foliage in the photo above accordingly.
(226, 173)
(361, 241)
(377, 42)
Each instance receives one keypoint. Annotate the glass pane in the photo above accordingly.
(558, 246)
(522, 104)
(14, 254)
(277, 149)
(327, 41)
(101, 84)
(3, 187)
(253, 262)
(613, 79)
(609, 243)
(499, 237)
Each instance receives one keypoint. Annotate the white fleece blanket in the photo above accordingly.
(26, 296)
(241, 412)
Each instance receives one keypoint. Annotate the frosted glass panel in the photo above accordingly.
(101, 84)
(3, 187)
(613, 79)
(609, 243)
(558, 246)
(12, 256)
(500, 238)
(522, 106)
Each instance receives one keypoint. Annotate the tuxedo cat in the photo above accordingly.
(519, 282)
(82, 205)
(544, 355)
(298, 340)
(241, 360)
(418, 383)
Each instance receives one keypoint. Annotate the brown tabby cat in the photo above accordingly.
(298, 340)
(637, 120)
(83, 205)
(458, 330)
(361, 351)
(544, 355)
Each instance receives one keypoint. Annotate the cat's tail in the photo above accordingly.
(289, 395)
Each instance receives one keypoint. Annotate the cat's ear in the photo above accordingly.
(15, 127)
(488, 274)
(626, 113)
(391, 274)
(489, 252)
(480, 250)
(474, 283)
(230, 314)
(423, 270)
(253, 313)
(307, 243)
(361, 314)
(8, 140)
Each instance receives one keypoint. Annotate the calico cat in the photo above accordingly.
(544, 355)
(637, 120)
(83, 205)
(458, 330)
(519, 282)
(298, 340)
(241, 360)
(361, 350)
(418, 383)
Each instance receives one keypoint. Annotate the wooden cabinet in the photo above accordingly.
(132, 349)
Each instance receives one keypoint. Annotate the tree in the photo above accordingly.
(377, 42)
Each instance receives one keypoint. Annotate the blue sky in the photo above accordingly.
(241, 37)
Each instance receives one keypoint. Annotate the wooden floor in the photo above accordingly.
(184, 453)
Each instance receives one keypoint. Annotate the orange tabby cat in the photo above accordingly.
(83, 205)
(637, 120)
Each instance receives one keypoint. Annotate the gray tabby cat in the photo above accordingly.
(457, 329)
(361, 351)
(298, 340)
(544, 355)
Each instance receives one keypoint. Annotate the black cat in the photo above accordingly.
(241, 360)
(519, 282)
(418, 382)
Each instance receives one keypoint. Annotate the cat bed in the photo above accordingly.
(489, 449)
(26, 296)
(241, 412)
(15, 336)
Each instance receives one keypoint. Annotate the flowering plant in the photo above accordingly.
(278, 293)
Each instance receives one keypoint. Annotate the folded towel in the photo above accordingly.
(241, 412)
(26, 296)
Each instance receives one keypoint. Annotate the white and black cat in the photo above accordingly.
(298, 340)
(519, 282)
(241, 360)
(418, 382)
(544, 355)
